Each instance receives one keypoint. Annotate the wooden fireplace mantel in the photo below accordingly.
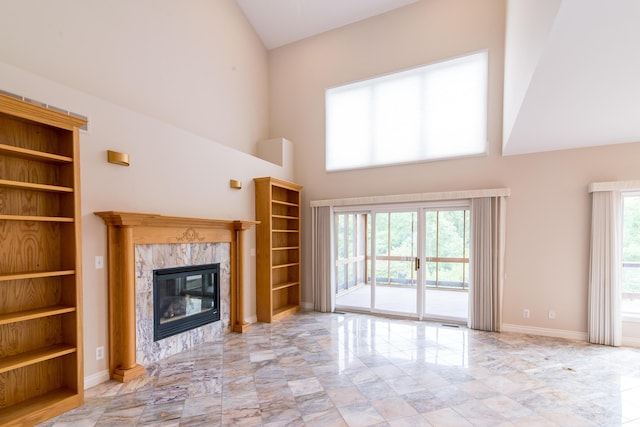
(127, 229)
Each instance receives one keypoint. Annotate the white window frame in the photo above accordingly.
(626, 315)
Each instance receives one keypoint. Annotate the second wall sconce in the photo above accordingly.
(235, 184)
(117, 158)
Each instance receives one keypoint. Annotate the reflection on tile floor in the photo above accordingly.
(324, 370)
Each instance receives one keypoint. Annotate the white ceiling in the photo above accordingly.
(577, 84)
(280, 22)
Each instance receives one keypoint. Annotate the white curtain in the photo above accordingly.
(487, 263)
(321, 265)
(605, 324)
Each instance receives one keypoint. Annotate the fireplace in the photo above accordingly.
(138, 244)
(185, 298)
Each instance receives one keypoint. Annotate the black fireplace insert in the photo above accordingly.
(185, 298)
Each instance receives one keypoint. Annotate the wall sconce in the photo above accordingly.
(235, 184)
(116, 158)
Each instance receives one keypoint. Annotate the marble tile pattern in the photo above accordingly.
(159, 256)
(315, 369)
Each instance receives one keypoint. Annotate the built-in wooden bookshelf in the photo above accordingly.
(278, 244)
(41, 362)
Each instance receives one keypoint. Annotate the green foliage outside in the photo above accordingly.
(631, 254)
(397, 236)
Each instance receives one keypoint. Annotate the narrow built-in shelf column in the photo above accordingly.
(124, 231)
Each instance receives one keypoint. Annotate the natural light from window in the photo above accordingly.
(432, 112)
(631, 255)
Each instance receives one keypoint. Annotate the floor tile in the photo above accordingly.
(334, 370)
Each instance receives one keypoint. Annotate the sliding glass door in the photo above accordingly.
(446, 263)
(352, 270)
(394, 262)
(408, 261)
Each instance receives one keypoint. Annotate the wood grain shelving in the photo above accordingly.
(278, 248)
(36, 313)
(41, 365)
(10, 150)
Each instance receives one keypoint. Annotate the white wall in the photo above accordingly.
(196, 64)
(136, 105)
(172, 172)
(548, 213)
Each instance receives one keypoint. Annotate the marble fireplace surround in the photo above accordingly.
(138, 240)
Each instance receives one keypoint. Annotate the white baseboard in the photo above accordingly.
(631, 342)
(545, 332)
(559, 333)
(252, 319)
(97, 378)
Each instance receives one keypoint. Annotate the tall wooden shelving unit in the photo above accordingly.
(41, 360)
(278, 248)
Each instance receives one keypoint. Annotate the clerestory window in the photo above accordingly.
(431, 112)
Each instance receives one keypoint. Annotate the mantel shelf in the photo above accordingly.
(130, 219)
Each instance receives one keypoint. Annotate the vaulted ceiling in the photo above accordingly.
(572, 67)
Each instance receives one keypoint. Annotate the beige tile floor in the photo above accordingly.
(316, 369)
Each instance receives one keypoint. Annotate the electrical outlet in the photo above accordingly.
(99, 262)
(526, 313)
(99, 353)
(552, 314)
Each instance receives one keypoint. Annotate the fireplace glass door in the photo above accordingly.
(185, 298)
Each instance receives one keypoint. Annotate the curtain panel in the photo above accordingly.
(605, 323)
(488, 225)
(321, 265)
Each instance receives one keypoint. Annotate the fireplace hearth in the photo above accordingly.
(185, 298)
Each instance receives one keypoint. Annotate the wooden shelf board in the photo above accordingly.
(285, 248)
(284, 285)
(35, 275)
(285, 217)
(282, 202)
(37, 408)
(285, 231)
(36, 356)
(280, 312)
(35, 187)
(36, 313)
(291, 264)
(33, 154)
(36, 218)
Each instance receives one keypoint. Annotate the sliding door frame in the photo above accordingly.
(420, 208)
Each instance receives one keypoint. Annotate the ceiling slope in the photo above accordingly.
(280, 22)
(578, 85)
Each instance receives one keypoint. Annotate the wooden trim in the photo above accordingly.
(124, 231)
(36, 113)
